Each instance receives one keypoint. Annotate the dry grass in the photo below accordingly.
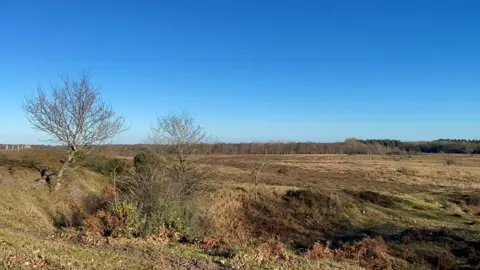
(419, 170)
(272, 249)
(302, 200)
(368, 253)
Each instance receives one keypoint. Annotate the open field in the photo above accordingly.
(423, 208)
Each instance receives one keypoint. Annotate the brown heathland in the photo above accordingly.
(382, 212)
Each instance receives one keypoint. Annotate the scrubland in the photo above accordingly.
(305, 212)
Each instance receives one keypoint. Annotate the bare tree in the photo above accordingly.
(183, 145)
(257, 168)
(75, 115)
(164, 187)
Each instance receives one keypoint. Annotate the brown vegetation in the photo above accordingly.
(355, 210)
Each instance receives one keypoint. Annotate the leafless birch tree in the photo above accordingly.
(257, 169)
(75, 115)
(183, 145)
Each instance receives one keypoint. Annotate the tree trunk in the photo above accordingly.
(65, 164)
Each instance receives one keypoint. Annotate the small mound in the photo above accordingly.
(307, 198)
(435, 258)
(440, 248)
(376, 198)
(272, 249)
(468, 199)
(443, 235)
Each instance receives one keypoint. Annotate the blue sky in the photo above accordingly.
(254, 70)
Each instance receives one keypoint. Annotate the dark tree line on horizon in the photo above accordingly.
(349, 146)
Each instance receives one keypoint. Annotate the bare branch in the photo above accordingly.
(75, 115)
(184, 144)
(257, 169)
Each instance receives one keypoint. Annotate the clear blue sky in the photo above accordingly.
(254, 70)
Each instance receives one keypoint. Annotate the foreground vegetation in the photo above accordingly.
(305, 212)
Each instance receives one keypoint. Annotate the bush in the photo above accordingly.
(216, 247)
(161, 200)
(122, 219)
(101, 164)
(320, 252)
(145, 162)
(66, 220)
(132, 218)
(272, 250)
(175, 215)
(368, 253)
(445, 261)
(93, 229)
(450, 161)
(80, 156)
(116, 164)
(129, 219)
(406, 171)
(437, 259)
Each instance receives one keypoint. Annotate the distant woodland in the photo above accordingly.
(349, 146)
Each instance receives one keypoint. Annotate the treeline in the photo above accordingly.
(349, 146)
(453, 146)
(458, 140)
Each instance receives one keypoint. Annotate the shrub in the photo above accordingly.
(320, 252)
(133, 220)
(406, 171)
(216, 246)
(445, 261)
(164, 235)
(172, 214)
(122, 219)
(129, 219)
(437, 259)
(115, 164)
(93, 229)
(368, 253)
(73, 219)
(272, 250)
(145, 162)
(102, 164)
(450, 161)
(111, 224)
(92, 203)
(80, 156)
(161, 200)
(282, 170)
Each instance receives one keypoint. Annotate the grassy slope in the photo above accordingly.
(28, 237)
